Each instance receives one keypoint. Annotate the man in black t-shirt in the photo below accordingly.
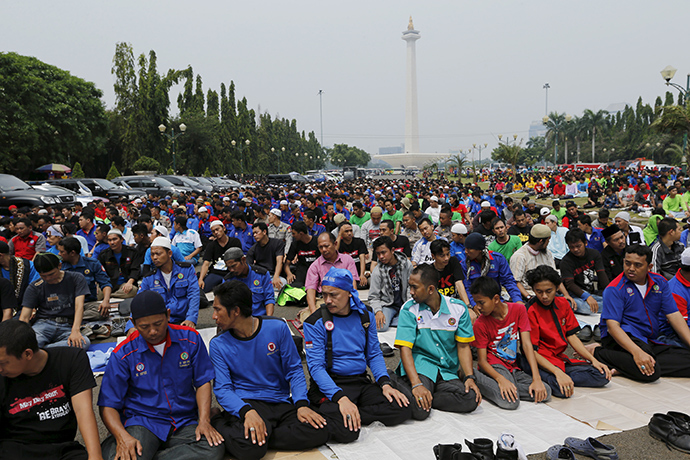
(58, 298)
(451, 274)
(354, 247)
(267, 253)
(213, 270)
(400, 242)
(580, 268)
(303, 251)
(45, 395)
(521, 228)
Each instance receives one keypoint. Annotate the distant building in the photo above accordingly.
(537, 129)
(391, 150)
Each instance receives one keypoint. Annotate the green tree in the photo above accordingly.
(508, 153)
(594, 121)
(170, 172)
(141, 99)
(77, 172)
(113, 172)
(146, 164)
(535, 151)
(459, 162)
(344, 155)
(207, 173)
(46, 115)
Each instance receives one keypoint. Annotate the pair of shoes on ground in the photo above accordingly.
(589, 447)
(672, 428)
(118, 329)
(481, 449)
(96, 332)
(586, 333)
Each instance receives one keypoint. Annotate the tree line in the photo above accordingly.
(643, 131)
(48, 115)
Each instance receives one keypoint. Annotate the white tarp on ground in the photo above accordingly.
(417, 439)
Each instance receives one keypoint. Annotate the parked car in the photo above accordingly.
(206, 186)
(152, 185)
(99, 187)
(217, 188)
(185, 183)
(285, 178)
(14, 191)
(83, 195)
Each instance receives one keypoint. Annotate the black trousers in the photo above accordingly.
(13, 450)
(448, 395)
(670, 361)
(285, 431)
(367, 395)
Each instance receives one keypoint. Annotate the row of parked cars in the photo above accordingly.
(52, 192)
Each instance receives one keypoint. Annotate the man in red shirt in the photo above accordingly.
(27, 242)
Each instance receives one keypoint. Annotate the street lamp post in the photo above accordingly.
(557, 125)
(241, 149)
(546, 104)
(273, 150)
(172, 136)
(667, 74)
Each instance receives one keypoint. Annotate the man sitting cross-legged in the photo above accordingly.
(634, 305)
(554, 327)
(155, 396)
(434, 336)
(497, 330)
(260, 382)
(341, 343)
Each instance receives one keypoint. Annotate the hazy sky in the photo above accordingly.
(481, 65)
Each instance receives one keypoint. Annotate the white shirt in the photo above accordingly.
(167, 277)
(160, 348)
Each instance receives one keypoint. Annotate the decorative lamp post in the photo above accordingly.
(172, 136)
(667, 74)
(241, 148)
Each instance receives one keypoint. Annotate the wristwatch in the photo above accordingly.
(469, 377)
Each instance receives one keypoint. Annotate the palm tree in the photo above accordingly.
(508, 153)
(458, 161)
(594, 121)
(674, 119)
(578, 129)
(554, 129)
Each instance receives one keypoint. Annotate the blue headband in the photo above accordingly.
(342, 279)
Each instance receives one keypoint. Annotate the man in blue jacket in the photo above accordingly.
(482, 262)
(96, 277)
(341, 342)
(632, 317)
(175, 281)
(260, 382)
(155, 396)
(257, 279)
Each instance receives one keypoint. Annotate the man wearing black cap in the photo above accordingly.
(613, 253)
(155, 396)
